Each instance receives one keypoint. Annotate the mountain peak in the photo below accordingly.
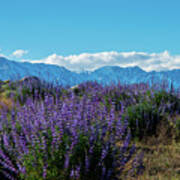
(13, 70)
(3, 58)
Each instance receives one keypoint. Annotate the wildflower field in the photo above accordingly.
(89, 132)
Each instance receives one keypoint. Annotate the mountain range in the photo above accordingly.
(13, 70)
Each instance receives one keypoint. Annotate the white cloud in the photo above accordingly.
(19, 53)
(3, 55)
(89, 62)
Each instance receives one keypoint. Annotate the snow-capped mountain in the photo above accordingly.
(12, 70)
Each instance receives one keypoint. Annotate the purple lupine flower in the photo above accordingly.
(87, 163)
(66, 163)
(44, 123)
(8, 176)
(45, 171)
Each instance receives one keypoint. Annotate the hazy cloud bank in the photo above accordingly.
(90, 62)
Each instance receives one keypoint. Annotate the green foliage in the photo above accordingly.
(54, 167)
(55, 160)
(172, 101)
(177, 125)
(143, 119)
(153, 108)
(5, 87)
(77, 91)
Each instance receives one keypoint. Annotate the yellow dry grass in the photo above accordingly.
(162, 163)
(5, 102)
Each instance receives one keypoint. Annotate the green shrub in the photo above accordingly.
(143, 119)
(172, 101)
(177, 125)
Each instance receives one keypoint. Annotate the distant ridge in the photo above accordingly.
(12, 70)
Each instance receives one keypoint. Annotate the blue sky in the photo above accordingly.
(87, 34)
(65, 27)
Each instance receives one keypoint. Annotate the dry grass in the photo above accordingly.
(162, 162)
(161, 156)
(5, 102)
